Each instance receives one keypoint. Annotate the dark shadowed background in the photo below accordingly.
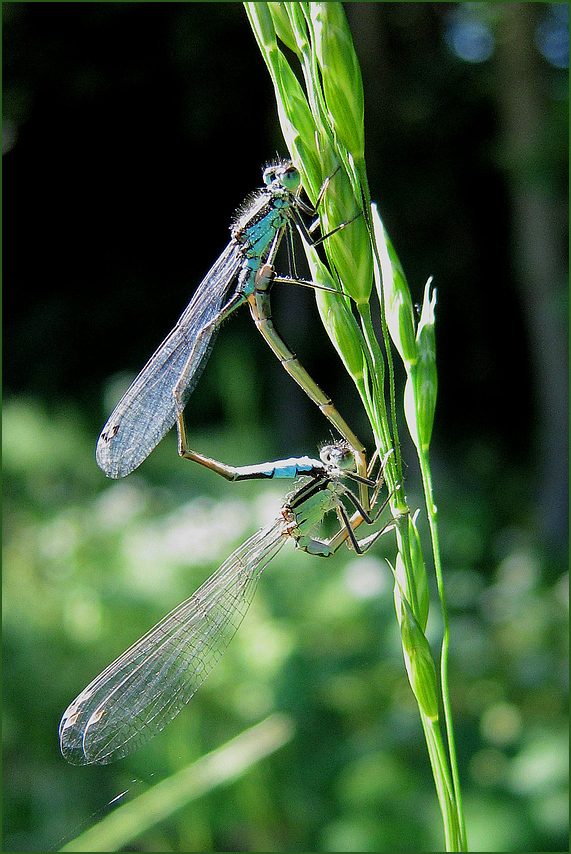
(131, 132)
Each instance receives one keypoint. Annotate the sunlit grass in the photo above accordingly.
(319, 643)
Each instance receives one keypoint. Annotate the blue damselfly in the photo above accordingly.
(155, 400)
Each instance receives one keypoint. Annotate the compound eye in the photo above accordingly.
(327, 455)
(268, 175)
(289, 177)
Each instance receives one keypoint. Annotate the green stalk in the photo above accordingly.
(324, 131)
(432, 513)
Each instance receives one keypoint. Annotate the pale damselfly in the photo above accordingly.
(146, 687)
(154, 402)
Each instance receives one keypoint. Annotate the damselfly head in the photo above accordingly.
(338, 456)
(282, 173)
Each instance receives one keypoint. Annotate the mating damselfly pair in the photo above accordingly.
(139, 693)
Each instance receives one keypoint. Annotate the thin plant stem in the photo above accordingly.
(324, 130)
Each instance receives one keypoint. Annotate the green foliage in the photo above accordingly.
(319, 36)
(89, 565)
(321, 124)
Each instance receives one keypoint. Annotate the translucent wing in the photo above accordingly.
(147, 686)
(147, 410)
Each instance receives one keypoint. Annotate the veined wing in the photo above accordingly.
(147, 686)
(147, 410)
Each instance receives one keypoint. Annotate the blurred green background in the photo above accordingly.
(131, 132)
